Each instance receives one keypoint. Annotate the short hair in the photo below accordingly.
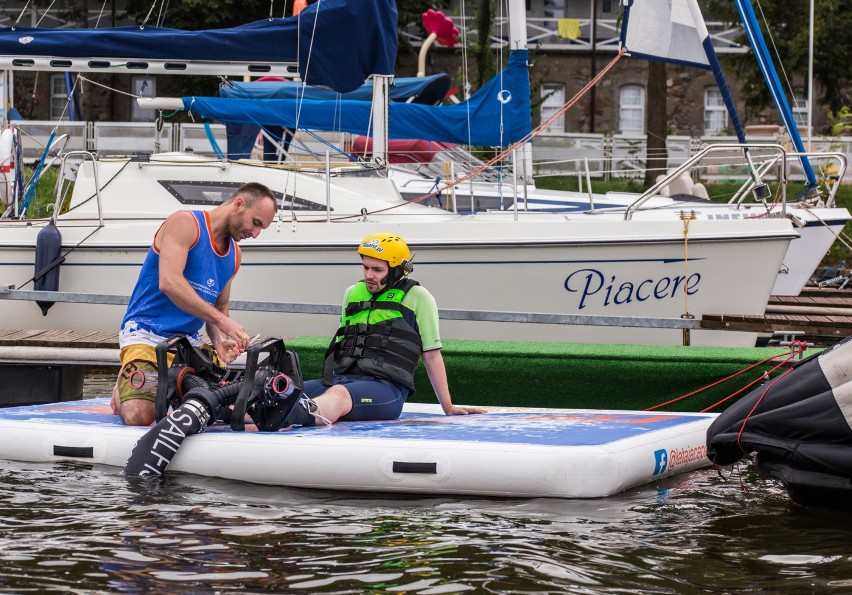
(253, 192)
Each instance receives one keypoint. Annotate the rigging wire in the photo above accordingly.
(101, 13)
(503, 154)
(21, 15)
(766, 26)
(46, 10)
(164, 8)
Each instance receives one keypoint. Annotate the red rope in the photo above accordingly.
(797, 347)
(760, 400)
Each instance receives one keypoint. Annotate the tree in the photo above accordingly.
(656, 127)
(789, 27)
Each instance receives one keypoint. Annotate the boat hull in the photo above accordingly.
(624, 269)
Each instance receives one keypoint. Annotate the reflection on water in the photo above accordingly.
(73, 527)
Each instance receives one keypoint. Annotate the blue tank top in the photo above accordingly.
(207, 271)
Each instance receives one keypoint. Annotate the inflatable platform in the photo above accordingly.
(508, 452)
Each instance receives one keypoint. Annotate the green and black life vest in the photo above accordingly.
(374, 338)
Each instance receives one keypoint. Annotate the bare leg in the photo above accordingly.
(332, 404)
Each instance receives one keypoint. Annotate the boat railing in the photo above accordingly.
(690, 163)
(836, 177)
(61, 186)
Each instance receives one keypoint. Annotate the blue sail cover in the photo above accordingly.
(426, 89)
(313, 39)
(498, 114)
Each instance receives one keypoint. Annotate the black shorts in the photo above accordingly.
(373, 399)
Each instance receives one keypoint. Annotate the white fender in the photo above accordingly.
(7, 162)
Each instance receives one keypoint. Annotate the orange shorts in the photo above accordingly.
(137, 378)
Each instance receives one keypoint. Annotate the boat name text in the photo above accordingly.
(592, 284)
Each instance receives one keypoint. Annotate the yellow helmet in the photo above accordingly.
(388, 247)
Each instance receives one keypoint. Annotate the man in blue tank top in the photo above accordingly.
(389, 323)
(184, 283)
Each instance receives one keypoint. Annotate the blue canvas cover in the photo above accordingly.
(498, 114)
(339, 62)
(427, 89)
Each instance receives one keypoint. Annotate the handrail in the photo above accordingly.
(61, 178)
(740, 194)
(689, 163)
(8, 292)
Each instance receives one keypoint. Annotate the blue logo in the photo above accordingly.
(661, 461)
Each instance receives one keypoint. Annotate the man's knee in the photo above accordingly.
(137, 412)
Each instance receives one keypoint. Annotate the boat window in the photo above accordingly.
(214, 193)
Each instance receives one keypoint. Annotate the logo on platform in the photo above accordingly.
(661, 461)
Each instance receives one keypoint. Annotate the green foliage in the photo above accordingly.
(788, 24)
(840, 122)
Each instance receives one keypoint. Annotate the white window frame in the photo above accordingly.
(58, 97)
(799, 107)
(631, 115)
(553, 98)
(715, 112)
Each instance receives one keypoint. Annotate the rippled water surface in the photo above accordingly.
(78, 528)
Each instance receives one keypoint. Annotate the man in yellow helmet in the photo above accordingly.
(388, 323)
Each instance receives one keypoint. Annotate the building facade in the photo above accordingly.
(568, 45)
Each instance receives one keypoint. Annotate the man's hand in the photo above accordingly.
(229, 329)
(228, 350)
(463, 410)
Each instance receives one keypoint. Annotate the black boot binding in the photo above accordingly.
(200, 392)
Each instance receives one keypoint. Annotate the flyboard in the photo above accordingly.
(507, 452)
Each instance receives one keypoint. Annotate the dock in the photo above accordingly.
(59, 347)
(821, 315)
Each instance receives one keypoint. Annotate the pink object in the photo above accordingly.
(435, 22)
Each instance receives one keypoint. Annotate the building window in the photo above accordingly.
(631, 109)
(142, 86)
(58, 96)
(715, 112)
(553, 98)
(800, 108)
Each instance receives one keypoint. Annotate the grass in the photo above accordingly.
(44, 199)
(718, 192)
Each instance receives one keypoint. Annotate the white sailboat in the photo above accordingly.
(570, 264)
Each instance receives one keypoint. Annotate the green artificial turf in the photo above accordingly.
(576, 375)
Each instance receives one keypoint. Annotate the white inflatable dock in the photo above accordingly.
(559, 453)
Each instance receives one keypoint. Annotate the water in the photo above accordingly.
(87, 529)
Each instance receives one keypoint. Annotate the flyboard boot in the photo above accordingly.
(199, 392)
(271, 394)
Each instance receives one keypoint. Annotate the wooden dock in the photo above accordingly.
(59, 338)
(823, 315)
(59, 347)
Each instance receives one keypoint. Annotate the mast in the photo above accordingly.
(758, 46)
(761, 191)
(518, 41)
